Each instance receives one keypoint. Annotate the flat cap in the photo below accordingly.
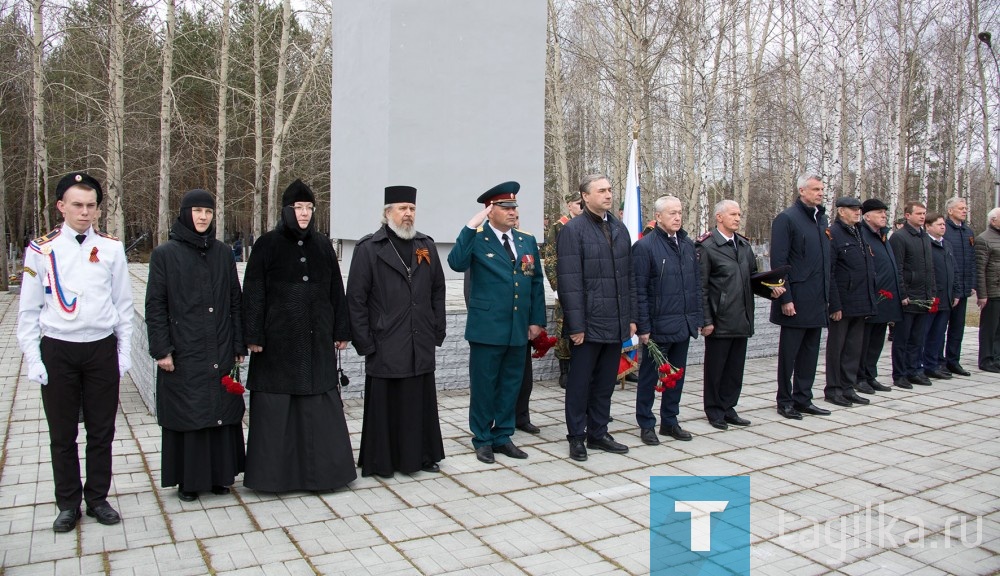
(848, 202)
(873, 204)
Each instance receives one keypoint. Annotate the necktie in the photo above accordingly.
(80, 238)
(506, 246)
(673, 240)
(735, 249)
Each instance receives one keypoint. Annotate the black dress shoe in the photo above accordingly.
(737, 421)
(187, 496)
(577, 451)
(607, 443)
(853, 397)
(220, 490)
(789, 412)
(509, 449)
(104, 514)
(66, 520)
(529, 428)
(839, 400)
(957, 369)
(919, 379)
(989, 367)
(485, 454)
(813, 409)
(864, 387)
(878, 386)
(902, 383)
(937, 374)
(675, 432)
(430, 467)
(648, 436)
(720, 424)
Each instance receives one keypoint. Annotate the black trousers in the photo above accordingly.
(725, 359)
(871, 350)
(798, 353)
(989, 333)
(87, 370)
(907, 345)
(593, 372)
(956, 331)
(843, 355)
(521, 414)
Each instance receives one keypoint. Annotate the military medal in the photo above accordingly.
(528, 265)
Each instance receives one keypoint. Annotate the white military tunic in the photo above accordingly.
(75, 292)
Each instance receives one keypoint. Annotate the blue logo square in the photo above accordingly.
(699, 525)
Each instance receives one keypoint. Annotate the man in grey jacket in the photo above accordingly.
(988, 292)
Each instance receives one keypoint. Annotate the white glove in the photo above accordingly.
(38, 373)
(124, 364)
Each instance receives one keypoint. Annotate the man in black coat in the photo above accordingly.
(946, 280)
(888, 295)
(852, 299)
(599, 306)
(912, 249)
(395, 298)
(668, 292)
(963, 245)
(727, 261)
(798, 240)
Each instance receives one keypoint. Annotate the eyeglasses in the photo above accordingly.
(307, 208)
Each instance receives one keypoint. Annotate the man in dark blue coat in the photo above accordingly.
(599, 313)
(798, 240)
(506, 310)
(669, 295)
(888, 291)
(963, 244)
(852, 299)
(946, 280)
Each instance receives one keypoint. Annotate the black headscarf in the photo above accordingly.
(186, 231)
(296, 192)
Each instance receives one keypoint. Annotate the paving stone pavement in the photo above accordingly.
(879, 489)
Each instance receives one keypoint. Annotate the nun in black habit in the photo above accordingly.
(194, 326)
(295, 318)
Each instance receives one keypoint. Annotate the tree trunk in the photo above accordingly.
(163, 216)
(258, 130)
(4, 247)
(556, 109)
(277, 137)
(220, 155)
(115, 218)
(41, 159)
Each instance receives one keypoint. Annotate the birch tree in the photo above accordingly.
(115, 121)
(163, 204)
(223, 132)
(41, 159)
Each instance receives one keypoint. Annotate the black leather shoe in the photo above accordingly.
(789, 412)
(720, 424)
(509, 449)
(104, 514)
(937, 374)
(485, 454)
(648, 436)
(608, 444)
(919, 379)
(989, 367)
(902, 383)
(839, 400)
(813, 409)
(220, 490)
(864, 387)
(430, 467)
(878, 386)
(737, 421)
(675, 432)
(529, 428)
(66, 520)
(577, 451)
(957, 369)
(185, 495)
(854, 398)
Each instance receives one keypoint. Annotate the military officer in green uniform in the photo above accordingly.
(562, 345)
(506, 310)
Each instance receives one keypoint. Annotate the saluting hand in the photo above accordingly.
(480, 217)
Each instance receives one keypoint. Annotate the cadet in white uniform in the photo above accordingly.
(75, 329)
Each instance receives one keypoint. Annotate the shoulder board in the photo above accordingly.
(704, 237)
(478, 230)
(564, 219)
(108, 236)
(519, 231)
(48, 237)
(363, 239)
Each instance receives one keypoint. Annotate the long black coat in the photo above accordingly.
(193, 312)
(667, 286)
(596, 287)
(912, 248)
(396, 322)
(852, 290)
(799, 241)
(727, 296)
(294, 307)
(887, 277)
